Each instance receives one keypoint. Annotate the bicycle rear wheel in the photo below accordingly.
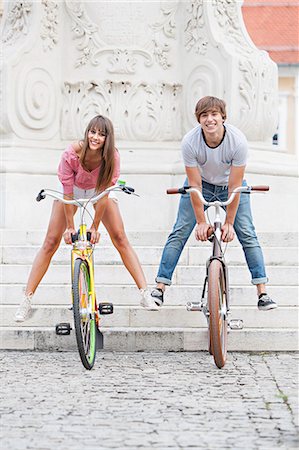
(218, 312)
(84, 319)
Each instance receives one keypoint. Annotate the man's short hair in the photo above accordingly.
(209, 103)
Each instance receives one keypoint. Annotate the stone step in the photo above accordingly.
(172, 317)
(145, 238)
(118, 275)
(192, 255)
(53, 294)
(151, 339)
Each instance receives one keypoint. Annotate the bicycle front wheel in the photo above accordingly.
(84, 318)
(218, 312)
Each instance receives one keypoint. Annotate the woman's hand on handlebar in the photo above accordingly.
(95, 235)
(203, 231)
(67, 235)
(227, 232)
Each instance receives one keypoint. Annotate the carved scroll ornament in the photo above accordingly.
(49, 24)
(17, 22)
(92, 46)
(138, 112)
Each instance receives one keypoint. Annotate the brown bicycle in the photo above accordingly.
(215, 305)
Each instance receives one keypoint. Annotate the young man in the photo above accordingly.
(215, 156)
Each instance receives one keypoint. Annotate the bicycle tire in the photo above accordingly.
(218, 312)
(84, 320)
(210, 343)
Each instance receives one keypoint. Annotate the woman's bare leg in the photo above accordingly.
(56, 227)
(113, 222)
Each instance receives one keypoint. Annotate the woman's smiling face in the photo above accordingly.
(96, 139)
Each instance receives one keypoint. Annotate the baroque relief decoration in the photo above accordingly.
(138, 111)
(227, 16)
(17, 22)
(92, 46)
(35, 101)
(168, 27)
(258, 81)
(205, 79)
(194, 33)
(257, 88)
(49, 24)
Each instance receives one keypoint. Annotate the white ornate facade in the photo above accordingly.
(143, 64)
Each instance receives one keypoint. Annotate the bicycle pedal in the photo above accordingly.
(63, 329)
(105, 308)
(194, 306)
(235, 324)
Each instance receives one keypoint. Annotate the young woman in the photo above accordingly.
(87, 166)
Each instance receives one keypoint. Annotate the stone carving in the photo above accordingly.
(139, 112)
(256, 74)
(167, 23)
(258, 79)
(93, 46)
(49, 24)
(227, 15)
(205, 79)
(167, 26)
(122, 61)
(16, 23)
(35, 99)
(3, 117)
(194, 33)
(85, 31)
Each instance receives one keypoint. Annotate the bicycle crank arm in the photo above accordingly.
(99, 340)
(63, 329)
(235, 324)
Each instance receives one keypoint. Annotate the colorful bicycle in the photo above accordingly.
(85, 309)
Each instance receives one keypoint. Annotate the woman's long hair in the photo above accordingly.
(104, 125)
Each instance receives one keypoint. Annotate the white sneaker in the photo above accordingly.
(23, 310)
(147, 300)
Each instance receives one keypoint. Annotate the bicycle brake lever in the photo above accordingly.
(41, 196)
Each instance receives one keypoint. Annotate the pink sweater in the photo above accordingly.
(71, 173)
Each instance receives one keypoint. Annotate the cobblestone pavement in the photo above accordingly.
(149, 401)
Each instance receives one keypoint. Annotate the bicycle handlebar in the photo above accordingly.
(240, 189)
(260, 188)
(79, 201)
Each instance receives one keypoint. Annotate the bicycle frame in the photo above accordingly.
(217, 253)
(81, 246)
(84, 250)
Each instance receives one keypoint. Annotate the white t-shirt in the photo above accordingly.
(215, 163)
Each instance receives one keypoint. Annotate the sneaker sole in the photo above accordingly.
(150, 308)
(267, 308)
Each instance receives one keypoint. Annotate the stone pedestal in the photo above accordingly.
(144, 65)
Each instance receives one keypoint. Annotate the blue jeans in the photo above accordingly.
(185, 223)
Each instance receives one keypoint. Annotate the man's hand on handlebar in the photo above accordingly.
(203, 231)
(227, 232)
(67, 235)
